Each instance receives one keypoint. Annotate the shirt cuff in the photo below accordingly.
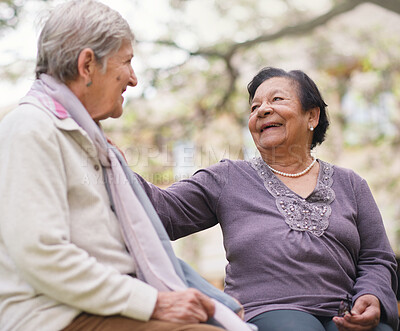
(141, 301)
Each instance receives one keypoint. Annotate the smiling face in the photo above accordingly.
(105, 99)
(277, 119)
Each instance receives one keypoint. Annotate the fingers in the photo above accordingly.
(207, 304)
(365, 315)
(366, 304)
(344, 325)
(189, 306)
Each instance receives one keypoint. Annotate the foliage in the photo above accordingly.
(194, 70)
(349, 47)
(208, 77)
(10, 11)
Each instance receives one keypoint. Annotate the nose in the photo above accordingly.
(264, 110)
(132, 78)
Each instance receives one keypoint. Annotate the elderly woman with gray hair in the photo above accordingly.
(79, 249)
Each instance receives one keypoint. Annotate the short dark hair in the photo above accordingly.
(308, 92)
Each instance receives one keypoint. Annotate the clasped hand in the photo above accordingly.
(188, 306)
(365, 315)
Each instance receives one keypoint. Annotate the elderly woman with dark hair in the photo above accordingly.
(304, 239)
(70, 258)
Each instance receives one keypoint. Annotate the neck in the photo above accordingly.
(288, 162)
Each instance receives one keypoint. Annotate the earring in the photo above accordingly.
(311, 128)
(88, 84)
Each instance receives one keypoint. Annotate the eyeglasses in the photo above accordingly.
(345, 307)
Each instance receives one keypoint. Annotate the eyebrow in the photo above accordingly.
(277, 91)
(272, 92)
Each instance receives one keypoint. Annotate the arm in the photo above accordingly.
(180, 200)
(34, 227)
(376, 282)
(190, 205)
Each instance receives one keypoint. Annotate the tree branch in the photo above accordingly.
(392, 5)
(216, 51)
(299, 29)
(231, 86)
(304, 27)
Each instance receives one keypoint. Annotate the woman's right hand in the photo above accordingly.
(188, 306)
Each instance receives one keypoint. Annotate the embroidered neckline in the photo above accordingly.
(310, 214)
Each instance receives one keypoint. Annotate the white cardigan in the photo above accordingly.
(61, 250)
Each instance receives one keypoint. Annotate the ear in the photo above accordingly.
(86, 65)
(313, 119)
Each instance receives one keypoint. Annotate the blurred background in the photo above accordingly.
(194, 59)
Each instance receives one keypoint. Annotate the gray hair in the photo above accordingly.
(74, 26)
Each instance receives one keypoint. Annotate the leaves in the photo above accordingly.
(196, 59)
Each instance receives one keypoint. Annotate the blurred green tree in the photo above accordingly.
(349, 47)
(10, 11)
(198, 63)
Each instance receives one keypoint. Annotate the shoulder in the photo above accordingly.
(348, 173)
(29, 129)
(28, 124)
(234, 164)
(227, 167)
(220, 173)
(344, 177)
(31, 119)
(27, 117)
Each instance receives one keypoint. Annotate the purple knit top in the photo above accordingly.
(283, 251)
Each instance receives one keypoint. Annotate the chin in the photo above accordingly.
(270, 143)
(116, 114)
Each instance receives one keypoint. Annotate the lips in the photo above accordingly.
(267, 126)
(122, 95)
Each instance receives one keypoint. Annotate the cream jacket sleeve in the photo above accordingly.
(37, 171)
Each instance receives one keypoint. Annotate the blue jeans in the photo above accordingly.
(294, 320)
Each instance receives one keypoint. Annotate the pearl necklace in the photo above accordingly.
(293, 175)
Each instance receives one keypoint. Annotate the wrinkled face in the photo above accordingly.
(107, 87)
(277, 119)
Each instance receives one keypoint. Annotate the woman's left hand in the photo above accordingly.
(365, 315)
